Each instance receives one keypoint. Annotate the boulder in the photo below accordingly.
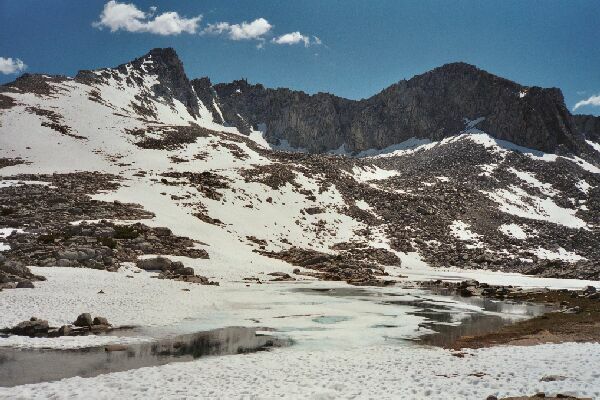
(589, 290)
(25, 285)
(32, 327)
(175, 265)
(100, 321)
(154, 264)
(65, 330)
(84, 320)
(186, 271)
(162, 231)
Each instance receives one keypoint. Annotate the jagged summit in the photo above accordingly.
(164, 64)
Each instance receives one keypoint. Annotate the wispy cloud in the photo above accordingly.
(591, 101)
(11, 65)
(254, 30)
(127, 17)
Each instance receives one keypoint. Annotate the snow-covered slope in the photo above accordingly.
(468, 201)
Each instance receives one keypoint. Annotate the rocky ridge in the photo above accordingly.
(433, 105)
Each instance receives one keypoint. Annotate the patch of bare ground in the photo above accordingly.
(7, 162)
(353, 267)
(171, 137)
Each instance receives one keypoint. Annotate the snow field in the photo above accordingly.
(377, 372)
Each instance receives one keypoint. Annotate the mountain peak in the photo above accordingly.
(165, 65)
(459, 66)
(159, 57)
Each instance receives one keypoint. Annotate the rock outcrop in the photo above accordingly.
(208, 96)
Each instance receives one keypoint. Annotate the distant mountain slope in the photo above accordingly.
(434, 105)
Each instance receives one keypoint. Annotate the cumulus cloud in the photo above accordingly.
(127, 17)
(591, 101)
(11, 65)
(296, 38)
(254, 30)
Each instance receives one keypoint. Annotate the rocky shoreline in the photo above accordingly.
(575, 316)
(83, 325)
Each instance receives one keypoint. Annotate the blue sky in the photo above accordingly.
(362, 46)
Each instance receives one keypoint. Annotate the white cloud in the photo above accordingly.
(122, 16)
(292, 38)
(591, 101)
(296, 38)
(11, 65)
(244, 31)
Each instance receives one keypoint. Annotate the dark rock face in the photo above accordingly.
(589, 126)
(318, 123)
(433, 105)
(208, 96)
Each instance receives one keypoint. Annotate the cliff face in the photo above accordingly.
(208, 96)
(432, 105)
(318, 123)
(589, 126)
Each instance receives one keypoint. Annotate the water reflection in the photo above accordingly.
(18, 366)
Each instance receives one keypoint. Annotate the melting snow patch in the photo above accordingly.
(560, 254)
(583, 186)
(528, 177)
(395, 149)
(5, 232)
(513, 230)
(470, 125)
(372, 173)
(363, 205)
(596, 146)
(11, 182)
(68, 342)
(584, 164)
(488, 169)
(461, 231)
(284, 145)
(516, 201)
